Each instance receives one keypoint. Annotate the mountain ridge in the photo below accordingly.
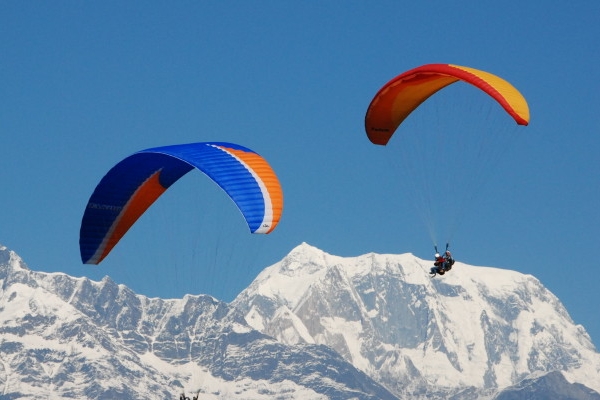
(312, 326)
(64, 337)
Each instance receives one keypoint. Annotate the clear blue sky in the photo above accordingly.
(85, 84)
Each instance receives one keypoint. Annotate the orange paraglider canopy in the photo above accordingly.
(403, 94)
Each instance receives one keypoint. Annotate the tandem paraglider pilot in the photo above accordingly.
(442, 264)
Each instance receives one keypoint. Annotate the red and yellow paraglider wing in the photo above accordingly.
(402, 95)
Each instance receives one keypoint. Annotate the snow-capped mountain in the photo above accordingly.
(64, 337)
(467, 334)
(312, 326)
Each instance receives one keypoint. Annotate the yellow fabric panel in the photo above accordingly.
(513, 97)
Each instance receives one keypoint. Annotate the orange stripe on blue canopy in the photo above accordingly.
(133, 185)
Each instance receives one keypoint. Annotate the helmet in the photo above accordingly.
(448, 252)
(437, 255)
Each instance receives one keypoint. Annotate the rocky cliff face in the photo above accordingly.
(550, 385)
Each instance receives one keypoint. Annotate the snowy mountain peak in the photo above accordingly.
(9, 260)
(475, 328)
(304, 259)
